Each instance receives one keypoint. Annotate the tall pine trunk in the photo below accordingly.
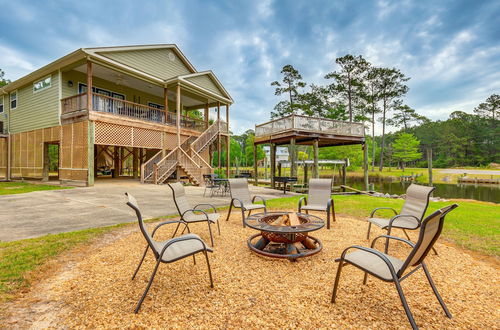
(373, 139)
(381, 164)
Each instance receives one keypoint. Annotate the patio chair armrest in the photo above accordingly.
(399, 216)
(167, 223)
(372, 251)
(206, 204)
(392, 237)
(303, 198)
(193, 211)
(237, 199)
(382, 208)
(261, 198)
(180, 239)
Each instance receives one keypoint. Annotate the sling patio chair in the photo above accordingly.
(391, 269)
(412, 212)
(170, 250)
(240, 198)
(195, 214)
(319, 198)
(210, 184)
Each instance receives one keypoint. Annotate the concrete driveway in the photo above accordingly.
(48, 212)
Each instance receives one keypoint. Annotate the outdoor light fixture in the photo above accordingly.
(70, 83)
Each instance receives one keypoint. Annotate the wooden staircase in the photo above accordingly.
(186, 158)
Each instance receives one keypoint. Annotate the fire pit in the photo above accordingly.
(284, 234)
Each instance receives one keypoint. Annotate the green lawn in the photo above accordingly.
(9, 188)
(473, 225)
(18, 258)
(438, 177)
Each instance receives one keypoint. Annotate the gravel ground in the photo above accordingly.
(252, 291)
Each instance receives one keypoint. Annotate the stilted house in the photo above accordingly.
(141, 111)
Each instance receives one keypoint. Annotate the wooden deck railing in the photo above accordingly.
(74, 103)
(312, 124)
(106, 104)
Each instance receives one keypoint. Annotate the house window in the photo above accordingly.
(13, 100)
(1, 104)
(156, 105)
(42, 84)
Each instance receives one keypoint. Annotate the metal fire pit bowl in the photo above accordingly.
(280, 241)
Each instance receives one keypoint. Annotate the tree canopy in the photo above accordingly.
(3, 81)
(490, 107)
(406, 148)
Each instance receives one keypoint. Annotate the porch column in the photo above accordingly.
(293, 163)
(89, 85)
(228, 155)
(273, 164)
(365, 165)
(9, 156)
(165, 103)
(218, 138)
(135, 163)
(228, 146)
(315, 173)
(206, 116)
(178, 109)
(46, 162)
(116, 162)
(96, 153)
(91, 152)
(255, 174)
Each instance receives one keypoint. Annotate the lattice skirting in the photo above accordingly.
(128, 136)
(27, 151)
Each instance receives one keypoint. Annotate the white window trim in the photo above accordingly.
(43, 88)
(17, 100)
(2, 99)
(161, 105)
(103, 89)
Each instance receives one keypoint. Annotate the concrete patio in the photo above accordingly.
(49, 212)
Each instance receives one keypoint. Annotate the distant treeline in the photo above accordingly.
(461, 140)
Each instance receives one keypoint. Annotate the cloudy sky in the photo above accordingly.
(450, 49)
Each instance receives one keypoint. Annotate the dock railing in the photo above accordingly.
(311, 124)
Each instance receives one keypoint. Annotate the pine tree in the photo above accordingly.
(406, 149)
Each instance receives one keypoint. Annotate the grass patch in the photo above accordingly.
(10, 188)
(18, 258)
(474, 225)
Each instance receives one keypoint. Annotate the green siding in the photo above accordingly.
(131, 95)
(3, 115)
(206, 82)
(35, 110)
(155, 62)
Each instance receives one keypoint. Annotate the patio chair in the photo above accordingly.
(209, 184)
(167, 251)
(391, 269)
(319, 198)
(240, 198)
(190, 214)
(412, 212)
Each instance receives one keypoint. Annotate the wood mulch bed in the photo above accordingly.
(252, 291)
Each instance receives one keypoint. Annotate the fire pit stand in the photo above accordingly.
(284, 234)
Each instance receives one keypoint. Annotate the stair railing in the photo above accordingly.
(147, 169)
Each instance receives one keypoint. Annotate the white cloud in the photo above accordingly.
(14, 63)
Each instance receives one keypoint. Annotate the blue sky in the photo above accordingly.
(450, 49)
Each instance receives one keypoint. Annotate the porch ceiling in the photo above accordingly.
(188, 98)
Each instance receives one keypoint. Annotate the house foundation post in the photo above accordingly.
(273, 164)
(315, 173)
